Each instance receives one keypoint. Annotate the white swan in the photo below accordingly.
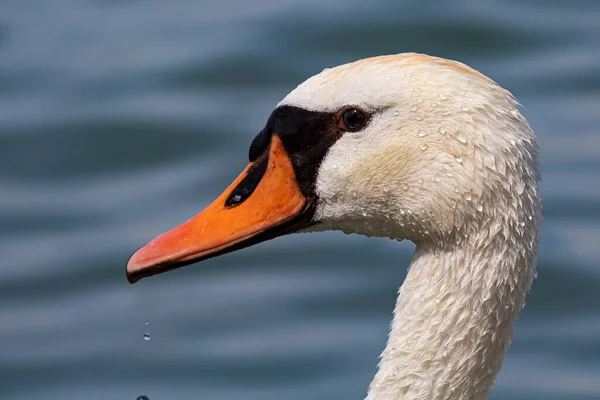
(404, 146)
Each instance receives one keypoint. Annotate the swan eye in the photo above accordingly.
(353, 119)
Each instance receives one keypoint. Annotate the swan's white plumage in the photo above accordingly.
(449, 163)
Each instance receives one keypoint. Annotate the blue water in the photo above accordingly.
(120, 119)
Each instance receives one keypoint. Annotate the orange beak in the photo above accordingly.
(276, 206)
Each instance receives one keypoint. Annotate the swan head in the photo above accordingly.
(405, 146)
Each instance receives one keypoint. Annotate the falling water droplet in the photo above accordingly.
(422, 134)
(442, 96)
(396, 113)
(442, 131)
(414, 108)
(334, 166)
(458, 159)
(433, 104)
(147, 334)
(355, 149)
(423, 147)
(386, 188)
(530, 218)
(468, 197)
(522, 224)
(420, 180)
(479, 207)
(461, 137)
(437, 178)
(405, 187)
(464, 108)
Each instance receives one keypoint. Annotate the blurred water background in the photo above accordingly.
(120, 119)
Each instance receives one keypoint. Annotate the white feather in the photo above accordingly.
(448, 162)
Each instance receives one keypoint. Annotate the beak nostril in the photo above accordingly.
(247, 186)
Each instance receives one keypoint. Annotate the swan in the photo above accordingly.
(405, 146)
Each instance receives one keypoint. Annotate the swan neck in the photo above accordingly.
(453, 319)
